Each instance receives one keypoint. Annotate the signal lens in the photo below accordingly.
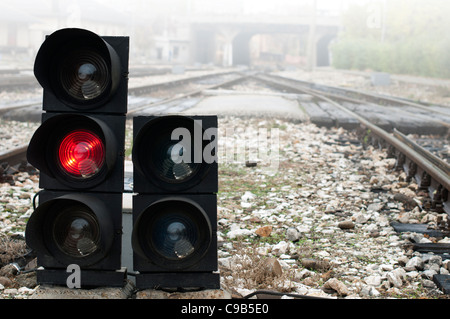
(170, 160)
(77, 232)
(173, 234)
(167, 159)
(81, 154)
(84, 75)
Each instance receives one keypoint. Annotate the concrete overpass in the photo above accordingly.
(225, 39)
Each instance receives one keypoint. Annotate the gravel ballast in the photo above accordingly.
(324, 216)
(317, 223)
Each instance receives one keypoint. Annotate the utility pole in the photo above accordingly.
(311, 38)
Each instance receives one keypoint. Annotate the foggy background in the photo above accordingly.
(398, 36)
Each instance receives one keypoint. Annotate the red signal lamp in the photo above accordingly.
(74, 151)
(81, 154)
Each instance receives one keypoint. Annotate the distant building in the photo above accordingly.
(25, 23)
(234, 32)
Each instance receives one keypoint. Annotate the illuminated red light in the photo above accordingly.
(81, 153)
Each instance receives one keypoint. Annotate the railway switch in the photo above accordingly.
(79, 151)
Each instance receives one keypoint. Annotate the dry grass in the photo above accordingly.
(250, 271)
(10, 249)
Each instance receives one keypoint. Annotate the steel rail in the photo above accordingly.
(14, 156)
(138, 90)
(6, 109)
(18, 82)
(441, 164)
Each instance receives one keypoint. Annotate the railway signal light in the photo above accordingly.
(79, 151)
(81, 71)
(166, 164)
(174, 236)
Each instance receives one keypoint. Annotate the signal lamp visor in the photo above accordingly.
(79, 68)
(174, 234)
(81, 154)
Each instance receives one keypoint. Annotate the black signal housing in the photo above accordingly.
(156, 172)
(81, 71)
(174, 236)
(79, 151)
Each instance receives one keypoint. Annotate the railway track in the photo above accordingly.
(165, 88)
(17, 82)
(430, 172)
(13, 80)
(368, 104)
(230, 79)
(14, 156)
(347, 94)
